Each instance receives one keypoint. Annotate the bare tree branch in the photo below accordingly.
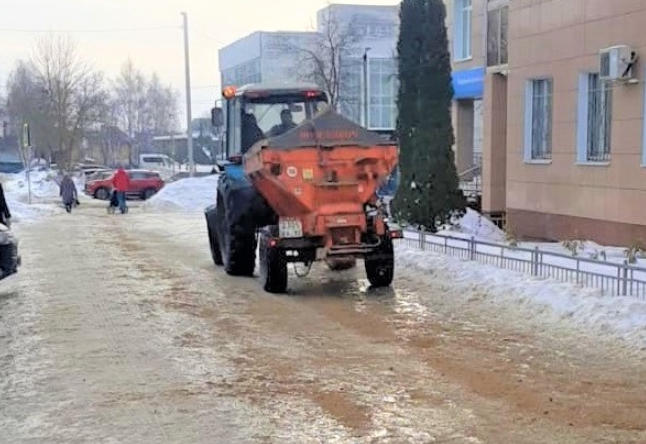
(74, 92)
(321, 61)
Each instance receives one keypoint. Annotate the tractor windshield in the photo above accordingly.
(278, 114)
(259, 115)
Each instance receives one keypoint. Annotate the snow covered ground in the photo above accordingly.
(44, 194)
(624, 317)
(619, 317)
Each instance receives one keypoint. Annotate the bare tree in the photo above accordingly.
(28, 102)
(130, 97)
(130, 90)
(145, 107)
(108, 136)
(74, 92)
(161, 107)
(321, 61)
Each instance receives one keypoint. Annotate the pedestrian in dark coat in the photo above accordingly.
(68, 193)
(5, 214)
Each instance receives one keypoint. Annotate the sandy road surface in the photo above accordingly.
(120, 330)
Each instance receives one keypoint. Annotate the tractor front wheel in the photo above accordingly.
(212, 230)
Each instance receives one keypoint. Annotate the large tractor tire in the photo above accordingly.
(237, 240)
(380, 263)
(273, 267)
(214, 243)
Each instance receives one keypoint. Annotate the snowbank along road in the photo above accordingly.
(119, 329)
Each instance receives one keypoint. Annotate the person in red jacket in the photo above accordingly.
(121, 183)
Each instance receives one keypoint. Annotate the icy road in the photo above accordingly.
(119, 329)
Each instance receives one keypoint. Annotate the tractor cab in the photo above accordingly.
(261, 111)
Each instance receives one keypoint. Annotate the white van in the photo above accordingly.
(161, 163)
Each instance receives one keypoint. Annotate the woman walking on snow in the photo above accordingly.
(68, 193)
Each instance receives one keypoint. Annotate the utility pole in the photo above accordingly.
(364, 114)
(189, 119)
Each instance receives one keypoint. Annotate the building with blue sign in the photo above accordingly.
(467, 59)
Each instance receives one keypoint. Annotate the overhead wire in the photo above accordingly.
(87, 31)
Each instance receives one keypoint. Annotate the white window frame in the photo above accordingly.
(534, 123)
(390, 109)
(587, 123)
(462, 29)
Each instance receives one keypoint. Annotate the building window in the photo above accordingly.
(594, 122)
(497, 28)
(538, 119)
(350, 88)
(242, 74)
(382, 94)
(462, 30)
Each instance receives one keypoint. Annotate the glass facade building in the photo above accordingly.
(269, 57)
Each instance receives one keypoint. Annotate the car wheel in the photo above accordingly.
(150, 192)
(102, 194)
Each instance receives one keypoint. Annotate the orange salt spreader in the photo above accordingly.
(319, 181)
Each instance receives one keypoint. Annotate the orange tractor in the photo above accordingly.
(299, 185)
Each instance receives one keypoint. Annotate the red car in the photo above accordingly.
(143, 184)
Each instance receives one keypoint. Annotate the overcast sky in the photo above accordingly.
(212, 24)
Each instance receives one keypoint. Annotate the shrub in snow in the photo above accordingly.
(633, 252)
(573, 246)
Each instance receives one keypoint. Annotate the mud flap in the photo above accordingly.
(380, 264)
(273, 266)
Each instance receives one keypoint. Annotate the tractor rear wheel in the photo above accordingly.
(380, 263)
(273, 267)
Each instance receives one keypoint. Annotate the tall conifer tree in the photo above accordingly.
(428, 193)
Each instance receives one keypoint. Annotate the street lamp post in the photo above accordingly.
(189, 130)
(364, 116)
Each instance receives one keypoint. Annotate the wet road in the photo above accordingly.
(120, 330)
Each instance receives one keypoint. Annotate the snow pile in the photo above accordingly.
(185, 195)
(44, 194)
(44, 185)
(623, 317)
(22, 212)
(474, 224)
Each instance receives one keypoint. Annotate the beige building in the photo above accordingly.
(564, 147)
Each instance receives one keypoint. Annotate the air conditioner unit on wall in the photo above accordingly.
(616, 62)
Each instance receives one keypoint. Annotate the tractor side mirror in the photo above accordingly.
(217, 118)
